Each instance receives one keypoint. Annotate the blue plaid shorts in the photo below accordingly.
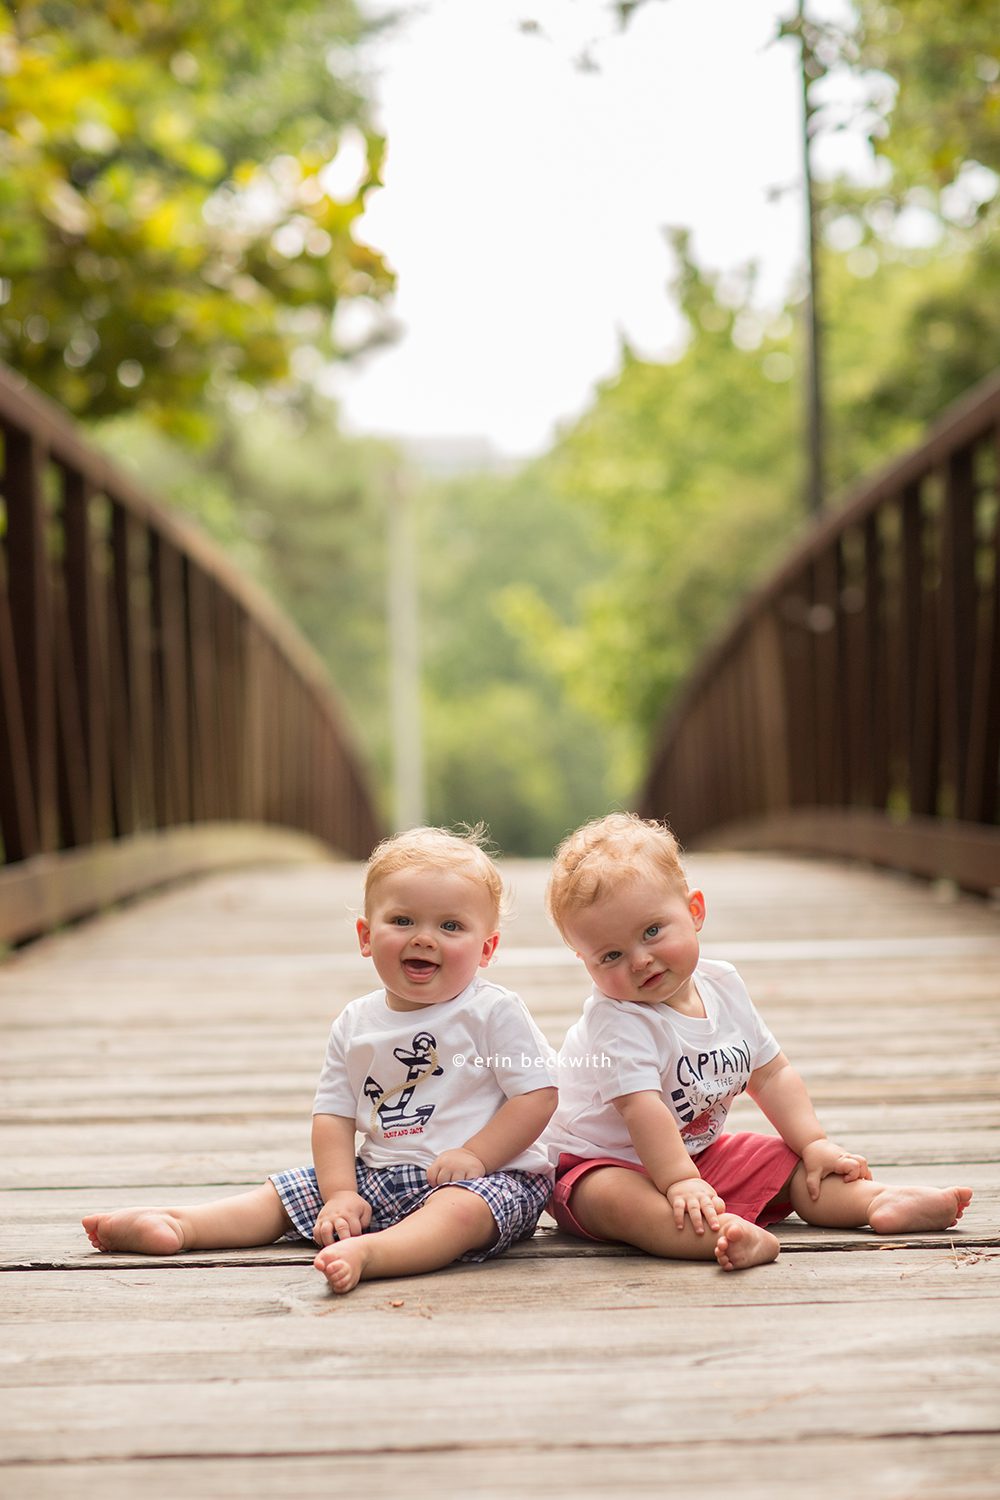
(515, 1199)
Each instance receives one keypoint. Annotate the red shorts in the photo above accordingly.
(747, 1170)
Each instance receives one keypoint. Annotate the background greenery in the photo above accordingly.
(172, 265)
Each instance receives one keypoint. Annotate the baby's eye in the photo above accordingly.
(652, 930)
(451, 925)
(612, 957)
(400, 922)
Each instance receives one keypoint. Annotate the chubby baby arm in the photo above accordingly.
(780, 1093)
(516, 1125)
(344, 1213)
(660, 1147)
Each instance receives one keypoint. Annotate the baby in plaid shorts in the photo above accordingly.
(444, 1074)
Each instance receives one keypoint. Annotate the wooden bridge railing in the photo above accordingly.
(853, 707)
(157, 714)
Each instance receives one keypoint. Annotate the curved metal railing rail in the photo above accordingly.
(158, 715)
(853, 706)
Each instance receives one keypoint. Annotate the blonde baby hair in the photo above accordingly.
(604, 854)
(465, 851)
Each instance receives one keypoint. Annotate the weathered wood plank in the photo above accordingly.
(906, 1468)
(303, 1322)
(526, 1407)
(554, 1287)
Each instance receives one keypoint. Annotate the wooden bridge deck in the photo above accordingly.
(170, 1051)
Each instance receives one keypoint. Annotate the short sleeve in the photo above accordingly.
(624, 1052)
(767, 1047)
(520, 1058)
(334, 1095)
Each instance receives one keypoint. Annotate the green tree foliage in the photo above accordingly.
(904, 342)
(691, 472)
(931, 72)
(693, 468)
(940, 115)
(561, 605)
(505, 742)
(165, 226)
(303, 509)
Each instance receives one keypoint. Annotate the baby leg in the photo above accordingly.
(613, 1203)
(887, 1209)
(453, 1221)
(254, 1218)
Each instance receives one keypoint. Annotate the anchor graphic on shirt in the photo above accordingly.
(392, 1106)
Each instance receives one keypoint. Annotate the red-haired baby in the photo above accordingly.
(666, 1042)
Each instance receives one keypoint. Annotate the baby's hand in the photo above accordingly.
(454, 1166)
(698, 1200)
(342, 1216)
(825, 1158)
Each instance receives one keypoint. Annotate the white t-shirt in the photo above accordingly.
(697, 1065)
(420, 1082)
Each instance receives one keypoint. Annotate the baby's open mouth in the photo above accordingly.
(418, 967)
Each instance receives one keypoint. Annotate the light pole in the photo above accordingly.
(404, 656)
(815, 476)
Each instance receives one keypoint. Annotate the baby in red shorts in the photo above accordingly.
(666, 1042)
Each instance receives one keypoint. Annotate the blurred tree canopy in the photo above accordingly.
(926, 232)
(505, 741)
(692, 467)
(302, 508)
(168, 234)
(166, 227)
(935, 100)
(690, 470)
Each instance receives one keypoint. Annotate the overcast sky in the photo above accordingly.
(526, 198)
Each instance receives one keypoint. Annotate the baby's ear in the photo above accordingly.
(364, 937)
(489, 948)
(696, 906)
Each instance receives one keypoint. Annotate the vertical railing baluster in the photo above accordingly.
(84, 604)
(981, 792)
(875, 720)
(203, 708)
(957, 619)
(120, 650)
(170, 690)
(17, 794)
(71, 745)
(29, 596)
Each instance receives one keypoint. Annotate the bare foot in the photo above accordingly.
(904, 1210)
(343, 1263)
(137, 1231)
(742, 1244)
